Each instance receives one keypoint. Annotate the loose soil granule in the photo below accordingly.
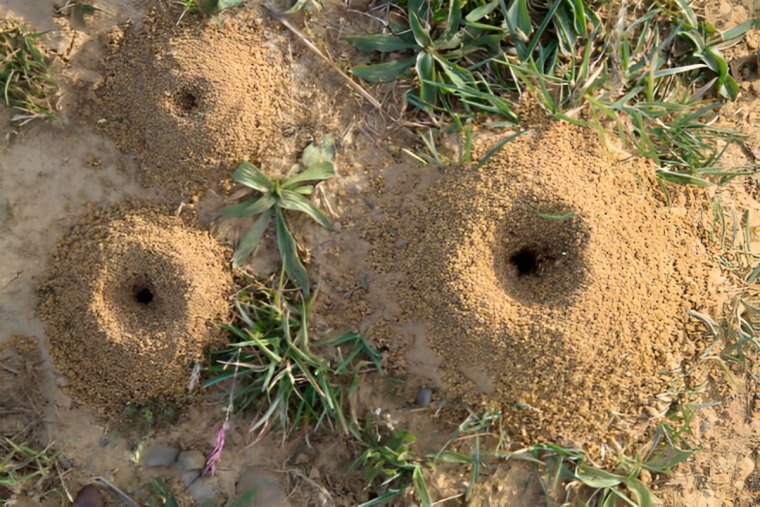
(554, 284)
(192, 102)
(129, 305)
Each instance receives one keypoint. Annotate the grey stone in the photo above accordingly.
(191, 460)
(202, 490)
(188, 477)
(158, 455)
(424, 396)
(266, 487)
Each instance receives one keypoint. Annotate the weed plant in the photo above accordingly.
(280, 194)
(655, 71)
(25, 469)
(277, 369)
(390, 464)
(25, 75)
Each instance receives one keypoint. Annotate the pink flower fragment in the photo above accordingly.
(216, 453)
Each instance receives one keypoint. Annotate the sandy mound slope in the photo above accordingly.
(554, 284)
(191, 102)
(129, 304)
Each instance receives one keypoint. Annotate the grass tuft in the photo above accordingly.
(278, 372)
(24, 469)
(25, 75)
(654, 72)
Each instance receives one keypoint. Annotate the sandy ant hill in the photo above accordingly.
(554, 283)
(130, 304)
(191, 103)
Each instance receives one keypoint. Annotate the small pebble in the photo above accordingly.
(189, 477)
(159, 455)
(263, 484)
(424, 396)
(191, 460)
(202, 490)
(89, 496)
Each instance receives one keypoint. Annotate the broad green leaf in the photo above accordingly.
(289, 254)
(251, 206)
(481, 12)
(251, 238)
(304, 190)
(384, 43)
(598, 478)
(251, 176)
(425, 68)
(296, 202)
(383, 72)
(421, 35)
(317, 153)
(640, 492)
(317, 172)
(518, 19)
(688, 12)
(453, 20)
(664, 459)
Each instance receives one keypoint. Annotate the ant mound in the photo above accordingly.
(554, 284)
(129, 305)
(190, 102)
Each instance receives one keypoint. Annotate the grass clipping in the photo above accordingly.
(554, 284)
(129, 304)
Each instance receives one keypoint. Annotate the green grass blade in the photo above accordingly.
(490, 153)
(385, 43)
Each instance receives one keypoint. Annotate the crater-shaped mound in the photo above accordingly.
(191, 102)
(554, 283)
(129, 305)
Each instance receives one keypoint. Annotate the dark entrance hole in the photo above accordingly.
(144, 296)
(187, 100)
(526, 262)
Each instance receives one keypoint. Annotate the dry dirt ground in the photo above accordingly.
(53, 175)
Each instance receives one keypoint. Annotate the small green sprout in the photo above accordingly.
(276, 196)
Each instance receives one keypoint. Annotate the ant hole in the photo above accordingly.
(526, 262)
(144, 296)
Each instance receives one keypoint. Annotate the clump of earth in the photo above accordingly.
(553, 283)
(192, 102)
(130, 305)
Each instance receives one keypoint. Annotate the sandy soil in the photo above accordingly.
(52, 175)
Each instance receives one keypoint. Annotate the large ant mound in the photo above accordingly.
(554, 283)
(129, 306)
(190, 102)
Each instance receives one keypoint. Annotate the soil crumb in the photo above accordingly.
(191, 102)
(554, 285)
(129, 303)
